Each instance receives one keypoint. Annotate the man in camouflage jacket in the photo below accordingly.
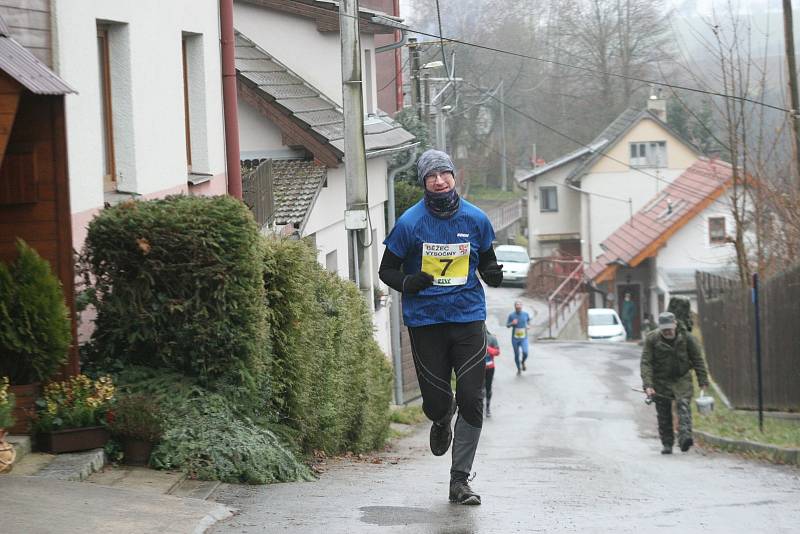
(669, 354)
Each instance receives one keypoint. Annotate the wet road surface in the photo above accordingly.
(570, 448)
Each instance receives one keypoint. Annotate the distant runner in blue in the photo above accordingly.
(518, 321)
(433, 256)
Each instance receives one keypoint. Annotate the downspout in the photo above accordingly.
(398, 64)
(394, 303)
(229, 99)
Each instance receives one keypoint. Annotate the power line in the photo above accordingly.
(688, 191)
(546, 180)
(441, 43)
(595, 71)
(396, 74)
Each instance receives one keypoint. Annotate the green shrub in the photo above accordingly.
(35, 329)
(178, 285)
(207, 434)
(330, 380)
(136, 417)
(406, 194)
(6, 404)
(207, 441)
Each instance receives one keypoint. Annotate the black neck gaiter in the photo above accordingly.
(442, 205)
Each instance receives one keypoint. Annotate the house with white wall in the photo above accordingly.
(146, 120)
(654, 255)
(578, 203)
(288, 63)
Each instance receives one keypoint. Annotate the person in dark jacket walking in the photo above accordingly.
(670, 354)
(433, 257)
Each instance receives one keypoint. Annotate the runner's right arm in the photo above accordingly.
(391, 274)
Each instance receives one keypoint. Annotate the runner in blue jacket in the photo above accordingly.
(518, 321)
(433, 256)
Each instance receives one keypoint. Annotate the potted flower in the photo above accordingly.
(137, 424)
(35, 329)
(7, 452)
(73, 414)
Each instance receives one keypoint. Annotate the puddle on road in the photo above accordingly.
(392, 516)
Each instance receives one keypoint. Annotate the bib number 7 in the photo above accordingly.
(447, 263)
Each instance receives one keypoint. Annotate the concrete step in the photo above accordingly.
(74, 466)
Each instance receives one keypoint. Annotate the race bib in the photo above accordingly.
(519, 333)
(448, 264)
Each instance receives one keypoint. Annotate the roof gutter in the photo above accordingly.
(229, 99)
(388, 151)
(395, 45)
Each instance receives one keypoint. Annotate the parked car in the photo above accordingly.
(515, 261)
(605, 325)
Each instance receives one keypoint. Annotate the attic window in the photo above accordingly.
(716, 230)
(649, 154)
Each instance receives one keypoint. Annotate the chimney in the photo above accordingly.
(656, 103)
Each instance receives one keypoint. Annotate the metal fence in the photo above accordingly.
(505, 215)
(257, 189)
(727, 322)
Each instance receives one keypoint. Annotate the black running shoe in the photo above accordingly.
(686, 444)
(461, 493)
(524, 368)
(667, 449)
(441, 433)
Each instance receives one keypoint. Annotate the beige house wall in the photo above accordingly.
(679, 156)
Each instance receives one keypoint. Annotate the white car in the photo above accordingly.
(605, 325)
(515, 262)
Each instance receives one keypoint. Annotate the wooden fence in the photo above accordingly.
(257, 189)
(727, 322)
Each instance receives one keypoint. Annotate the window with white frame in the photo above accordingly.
(649, 154)
(716, 230)
(194, 102)
(548, 198)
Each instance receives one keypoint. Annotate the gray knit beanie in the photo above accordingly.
(433, 160)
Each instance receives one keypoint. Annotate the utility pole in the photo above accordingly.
(504, 163)
(355, 159)
(788, 32)
(416, 92)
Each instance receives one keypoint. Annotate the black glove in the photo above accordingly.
(414, 283)
(493, 275)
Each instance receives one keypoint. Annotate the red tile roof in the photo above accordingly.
(665, 214)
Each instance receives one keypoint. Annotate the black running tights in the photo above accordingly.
(441, 349)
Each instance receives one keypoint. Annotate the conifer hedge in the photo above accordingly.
(329, 378)
(178, 285)
(274, 347)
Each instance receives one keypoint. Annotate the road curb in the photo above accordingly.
(773, 453)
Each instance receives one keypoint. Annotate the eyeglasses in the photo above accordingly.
(433, 176)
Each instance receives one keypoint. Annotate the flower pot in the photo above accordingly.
(7, 453)
(136, 451)
(24, 406)
(73, 439)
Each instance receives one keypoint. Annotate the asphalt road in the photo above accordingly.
(570, 448)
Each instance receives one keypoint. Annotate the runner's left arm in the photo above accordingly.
(491, 272)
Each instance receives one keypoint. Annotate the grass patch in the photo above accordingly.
(736, 424)
(408, 415)
(482, 192)
(739, 424)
